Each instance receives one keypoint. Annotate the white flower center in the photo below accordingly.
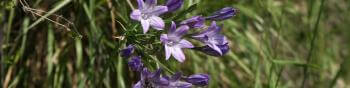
(145, 16)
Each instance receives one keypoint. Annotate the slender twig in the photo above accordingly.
(110, 6)
(312, 44)
(130, 4)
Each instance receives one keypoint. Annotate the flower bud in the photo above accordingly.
(174, 4)
(198, 79)
(222, 14)
(135, 63)
(194, 22)
(127, 52)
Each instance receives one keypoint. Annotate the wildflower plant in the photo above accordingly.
(172, 35)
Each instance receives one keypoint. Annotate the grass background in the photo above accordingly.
(274, 44)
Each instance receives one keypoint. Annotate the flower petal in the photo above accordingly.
(215, 47)
(178, 54)
(164, 38)
(156, 22)
(158, 10)
(219, 39)
(185, 44)
(151, 2)
(167, 52)
(181, 30)
(141, 4)
(172, 27)
(136, 15)
(145, 25)
(212, 30)
(180, 84)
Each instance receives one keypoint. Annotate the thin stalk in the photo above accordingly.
(312, 44)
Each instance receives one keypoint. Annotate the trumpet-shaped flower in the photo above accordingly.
(148, 14)
(212, 37)
(173, 43)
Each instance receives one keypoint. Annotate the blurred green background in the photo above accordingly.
(274, 44)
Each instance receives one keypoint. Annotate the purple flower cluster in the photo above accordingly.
(214, 43)
(156, 80)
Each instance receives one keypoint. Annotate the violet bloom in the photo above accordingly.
(148, 14)
(135, 63)
(151, 80)
(223, 14)
(212, 37)
(174, 4)
(173, 43)
(127, 52)
(198, 79)
(194, 22)
(174, 82)
(210, 51)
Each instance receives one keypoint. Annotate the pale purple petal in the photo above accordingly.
(212, 30)
(216, 48)
(164, 38)
(178, 54)
(181, 30)
(145, 25)
(136, 15)
(180, 84)
(194, 22)
(158, 10)
(167, 52)
(219, 39)
(156, 22)
(172, 27)
(141, 4)
(185, 44)
(151, 2)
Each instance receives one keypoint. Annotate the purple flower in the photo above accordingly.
(148, 14)
(127, 52)
(151, 80)
(135, 63)
(212, 37)
(194, 22)
(210, 51)
(174, 4)
(198, 79)
(223, 14)
(173, 42)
